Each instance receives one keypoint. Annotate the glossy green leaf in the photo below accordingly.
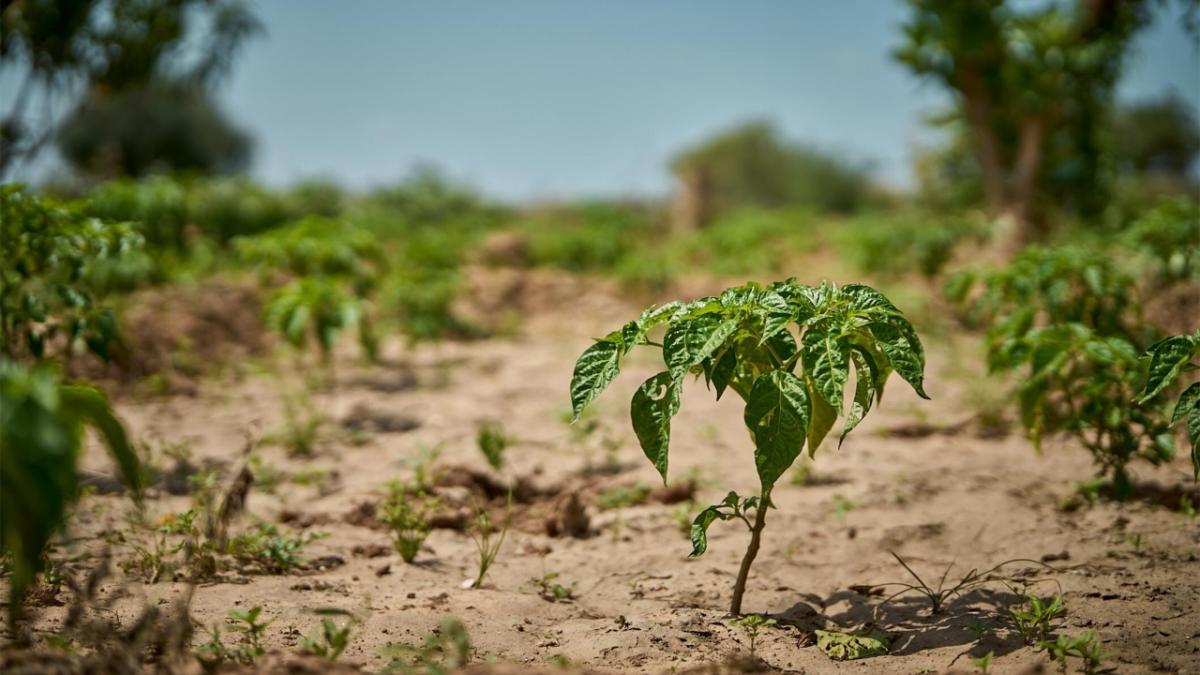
(777, 414)
(826, 362)
(595, 369)
(688, 342)
(900, 343)
(699, 532)
(653, 405)
(1168, 358)
(864, 392)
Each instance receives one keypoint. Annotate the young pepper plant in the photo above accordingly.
(787, 350)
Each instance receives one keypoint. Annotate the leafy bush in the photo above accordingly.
(157, 204)
(44, 287)
(793, 389)
(334, 269)
(42, 422)
(1169, 235)
(892, 246)
(587, 237)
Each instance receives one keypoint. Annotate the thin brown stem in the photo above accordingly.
(760, 521)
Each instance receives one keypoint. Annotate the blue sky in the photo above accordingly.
(549, 98)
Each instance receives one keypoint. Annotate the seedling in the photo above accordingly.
(1087, 648)
(793, 388)
(551, 590)
(213, 653)
(492, 442)
(407, 513)
(841, 506)
(623, 496)
(488, 537)
(1033, 620)
(268, 549)
(983, 662)
(445, 650)
(752, 625)
(333, 639)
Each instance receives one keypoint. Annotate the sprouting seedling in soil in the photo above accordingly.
(551, 590)
(407, 513)
(488, 537)
(752, 625)
(1087, 648)
(841, 506)
(213, 653)
(333, 639)
(787, 350)
(445, 650)
(1033, 620)
(939, 594)
(492, 442)
(983, 662)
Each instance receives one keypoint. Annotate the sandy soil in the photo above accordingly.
(1129, 571)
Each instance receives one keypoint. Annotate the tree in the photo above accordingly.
(164, 126)
(1157, 136)
(1034, 90)
(751, 165)
(99, 49)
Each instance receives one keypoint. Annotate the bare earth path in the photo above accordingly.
(1131, 572)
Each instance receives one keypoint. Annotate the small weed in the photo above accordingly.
(333, 639)
(445, 650)
(213, 653)
(983, 662)
(424, 474)
(622, 496)
(301, 428)
(1087, 648)
(407, 513)
(492, 442)
(321, 479)
(941, 593)
(841, 506)
(551, 590)
(752, 625)
(1187, 508)
(1135, 540)
(681, 515)
(488, 537)
(268, 549)
(1033, 620)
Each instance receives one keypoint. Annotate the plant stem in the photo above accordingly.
(760, 521)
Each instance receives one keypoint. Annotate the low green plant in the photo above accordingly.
(1169, 237)
(552, 591)
(983, 663)
(213, 653)
(445, 650)
(492, 442)
(42, 425)
(841, 507)
(267, 548)
(623, 496)
(1169, 359)
(752, 625)
(743, 340)
(407, 512)
(48, 304)
(1086, 647)
(941, 592)
(488, 537)
(1033, 620)
(333, 639)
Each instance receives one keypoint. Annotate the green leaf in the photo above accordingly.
(849, 646)
(90, 407)
(688, 342)
(654, 404)
(723, 370)
(1188, 401)
(826, 361)
(824, 416)
(897, 339)
(1194, 437)
(596, 368)
(1167, 360)
(707, 517)
(777, 414)
(864, 391)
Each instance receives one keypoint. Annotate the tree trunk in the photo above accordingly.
(1029, 159)
(977, 105)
